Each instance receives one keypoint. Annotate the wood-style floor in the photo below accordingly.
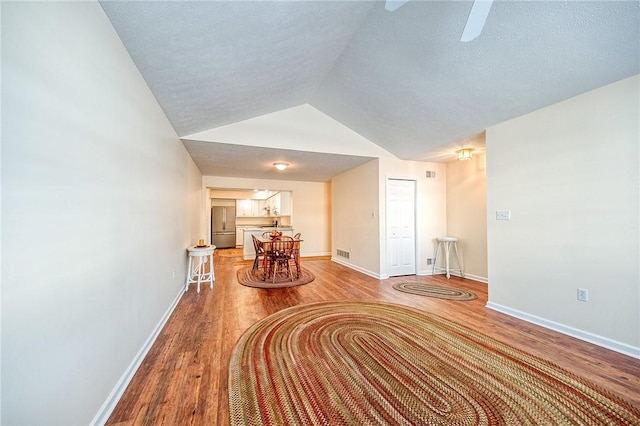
(183, 380)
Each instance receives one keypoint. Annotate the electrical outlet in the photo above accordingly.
(583, 295)
(503, 215)
(173, 274)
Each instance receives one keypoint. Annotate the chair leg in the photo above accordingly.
(278, 266)
(296, 262)
(455, 245)
(289, 269)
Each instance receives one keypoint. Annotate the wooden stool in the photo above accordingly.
(196, 272)
(447, 242)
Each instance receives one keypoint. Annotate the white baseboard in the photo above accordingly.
(357, 268)
(474, 278)
(421, 273)
(456, 274)
(110, 404)
(318, 254)
(604, 342)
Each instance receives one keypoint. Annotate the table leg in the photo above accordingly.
(212, 277)
(200, 270)
(186, 284)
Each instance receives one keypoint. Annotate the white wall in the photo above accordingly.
(569, 175)
(99, 201)
(467, 213)
(311, 213)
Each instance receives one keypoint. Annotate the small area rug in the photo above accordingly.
(434, 291)
(246, 277)
(360, 363)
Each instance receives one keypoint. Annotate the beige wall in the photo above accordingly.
(355, 213)
(311, 213)
(569, 175)
(302, 125)
(99, 201)
(467, 213)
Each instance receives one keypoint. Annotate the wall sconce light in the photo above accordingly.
(465, 154)
(280, 165)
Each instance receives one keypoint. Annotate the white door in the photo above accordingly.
(401, 234)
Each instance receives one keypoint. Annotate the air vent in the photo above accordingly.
(343, 253)
(431, 174)
(429, 260)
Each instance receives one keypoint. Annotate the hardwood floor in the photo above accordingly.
(183, 379)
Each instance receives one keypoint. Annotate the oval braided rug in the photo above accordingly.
(246, 277)
(350, 363)
(424, 289)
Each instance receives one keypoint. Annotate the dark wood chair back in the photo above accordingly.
(257, 245)
(280, 253)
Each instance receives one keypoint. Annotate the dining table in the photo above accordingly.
(265, 246)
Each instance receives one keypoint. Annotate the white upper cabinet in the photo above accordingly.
(243, 208)
(285, 203)
(256, 208)
(276, 205)
(280, 204)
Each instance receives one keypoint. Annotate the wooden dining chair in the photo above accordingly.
(280, 254)
(257, 245)
(295, 255)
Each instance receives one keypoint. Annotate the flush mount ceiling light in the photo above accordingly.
(281, 165)
(465, 154)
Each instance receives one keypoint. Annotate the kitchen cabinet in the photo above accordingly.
(239, 236)
(285, 203)
(250, 208)
(280, 204)
(277, 205)
(243, 208)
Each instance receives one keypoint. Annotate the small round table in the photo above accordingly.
(447, 242)
(196, 271)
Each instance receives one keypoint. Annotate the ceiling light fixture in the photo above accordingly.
(465, 154)
(280, 165)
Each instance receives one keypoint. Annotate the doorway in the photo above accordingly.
(401, 227)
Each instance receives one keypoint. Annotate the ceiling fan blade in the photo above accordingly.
(476, 19)
(392, 5)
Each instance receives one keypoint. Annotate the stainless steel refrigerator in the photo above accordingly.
(223, 226)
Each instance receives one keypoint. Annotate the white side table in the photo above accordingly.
(447, 243)
(197, 271)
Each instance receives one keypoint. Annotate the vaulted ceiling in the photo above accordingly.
(403, 79)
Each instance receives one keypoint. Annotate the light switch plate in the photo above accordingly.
(503, 215)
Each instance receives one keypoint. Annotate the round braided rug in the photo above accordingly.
(246, 277)
(434, 291)
(350, 363)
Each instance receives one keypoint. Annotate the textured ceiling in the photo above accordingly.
(401, 79)
(219, 159)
